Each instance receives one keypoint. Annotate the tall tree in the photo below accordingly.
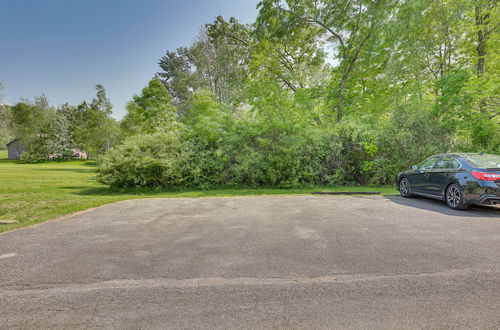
(94, 130)
(216, 61)
(296, 61)
(179, 74)
(486, 21)
(27, 119)
(485, 33)
(222, 52)
(346, 25)
(150, 111)
(44, 131)
(101, 102)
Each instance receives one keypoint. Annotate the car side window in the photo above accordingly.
(447, 162)
(428, 163)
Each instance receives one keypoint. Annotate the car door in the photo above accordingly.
(419, 179)
(439, 176)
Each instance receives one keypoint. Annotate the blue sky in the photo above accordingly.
(62, 48)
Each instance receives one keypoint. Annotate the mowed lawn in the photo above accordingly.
(32, 193)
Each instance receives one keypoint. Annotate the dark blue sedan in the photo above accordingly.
(460, 179)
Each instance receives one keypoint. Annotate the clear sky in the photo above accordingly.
(63, 48)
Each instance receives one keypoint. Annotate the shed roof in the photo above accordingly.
(12, 141)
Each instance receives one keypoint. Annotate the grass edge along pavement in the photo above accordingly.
(34, 193)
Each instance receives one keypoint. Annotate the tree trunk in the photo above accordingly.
(340, 105)
(481, 49)
(482, 21)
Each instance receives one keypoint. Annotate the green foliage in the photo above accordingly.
(217, 61)
(93, 130)
(52, 142)
(315, 92)
(101, 102)
(48, 133)
(258, 149)
(27, 119)
(401, 75)
(346, 27)
(6, 134)
(150, 111)
(406, 139)
(144, 160)
(43, 131)
(178, 75)
(5, 130)
(221, 53)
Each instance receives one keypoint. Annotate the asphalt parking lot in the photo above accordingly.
(256, 262)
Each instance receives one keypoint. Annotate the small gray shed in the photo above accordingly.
(15, 149)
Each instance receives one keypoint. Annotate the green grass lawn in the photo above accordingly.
(32, 193)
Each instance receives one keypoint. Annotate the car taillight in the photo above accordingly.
(486, 176)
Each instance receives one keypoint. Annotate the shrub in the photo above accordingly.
(144, 160)
(277, 146)
(254, 153)
(406, 139)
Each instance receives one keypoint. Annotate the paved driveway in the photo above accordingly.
(256, 262)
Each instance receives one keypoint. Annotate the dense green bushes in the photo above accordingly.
(210, 147)
(145, 160)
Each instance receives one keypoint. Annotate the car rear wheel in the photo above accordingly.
(404, 188)
(455, 197)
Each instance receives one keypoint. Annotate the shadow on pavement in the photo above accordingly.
(441, 207)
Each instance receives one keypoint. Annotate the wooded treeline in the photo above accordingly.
(50, 132)
(316, 92)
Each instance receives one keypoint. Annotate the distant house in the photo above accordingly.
(15, 149)
(80, 154)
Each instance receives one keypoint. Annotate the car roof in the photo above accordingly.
(460, 154)
(447, 154)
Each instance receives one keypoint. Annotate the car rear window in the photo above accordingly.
(483, 161)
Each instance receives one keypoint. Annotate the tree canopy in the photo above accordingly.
(338, 92)
(312, 92)
(48, 132)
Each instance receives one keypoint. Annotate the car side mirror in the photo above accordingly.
(414, 167)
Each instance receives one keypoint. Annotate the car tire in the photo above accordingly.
(404, 188)
(454, 197)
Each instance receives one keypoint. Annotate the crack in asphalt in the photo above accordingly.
(173, 282)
